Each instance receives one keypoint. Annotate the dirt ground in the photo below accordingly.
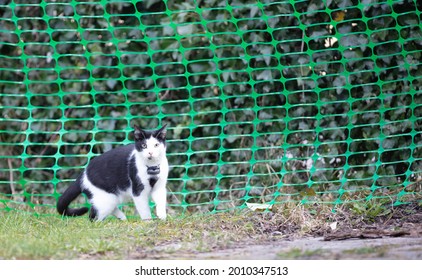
(403, 248)
(388, 248)
(396, 236)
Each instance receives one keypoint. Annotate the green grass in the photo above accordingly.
(297, 253)
(376, 251)
(25, 236)
(49, 236)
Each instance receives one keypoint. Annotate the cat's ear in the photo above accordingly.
(161, 133)
(139, 133)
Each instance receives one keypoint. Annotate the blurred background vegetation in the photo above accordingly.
(266, 101)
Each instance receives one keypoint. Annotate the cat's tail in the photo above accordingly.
(67, 197)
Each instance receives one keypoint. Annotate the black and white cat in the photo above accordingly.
(133, 172)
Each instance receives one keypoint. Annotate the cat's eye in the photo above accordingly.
(156, 145)
(144, 146)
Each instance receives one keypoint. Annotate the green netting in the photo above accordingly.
(266, 101)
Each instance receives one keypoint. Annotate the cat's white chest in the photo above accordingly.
(153, 185)
(142, 166)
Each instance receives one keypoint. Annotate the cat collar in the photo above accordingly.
(153, 170)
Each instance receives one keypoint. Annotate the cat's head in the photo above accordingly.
(151, 144)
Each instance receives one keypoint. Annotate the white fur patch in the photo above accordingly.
(105, 203)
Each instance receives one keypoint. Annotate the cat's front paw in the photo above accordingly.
(162, 216)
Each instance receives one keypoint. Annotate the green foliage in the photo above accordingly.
(371, 210)
(263, 99)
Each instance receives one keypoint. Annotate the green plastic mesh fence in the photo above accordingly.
(266, 101)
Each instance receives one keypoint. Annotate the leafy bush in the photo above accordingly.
(264, 100)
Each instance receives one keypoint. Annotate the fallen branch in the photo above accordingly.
(368, 234)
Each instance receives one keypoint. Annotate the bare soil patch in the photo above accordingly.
(397, 234)
(404, 248)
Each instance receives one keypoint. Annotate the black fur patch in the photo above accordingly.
(87, 193)
(153, 180)
(92, 213)
(109, 170)
(137, 186)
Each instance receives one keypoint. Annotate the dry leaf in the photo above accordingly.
(259, 206)
(333, 226)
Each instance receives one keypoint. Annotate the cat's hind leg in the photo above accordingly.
(93, 213)
(103, 205)
(119, 214)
